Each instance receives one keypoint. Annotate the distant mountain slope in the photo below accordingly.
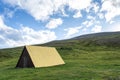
(111, 39)
(99, 35)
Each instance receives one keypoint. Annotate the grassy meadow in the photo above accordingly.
(84, 61)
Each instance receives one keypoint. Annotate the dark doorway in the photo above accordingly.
(24, 60)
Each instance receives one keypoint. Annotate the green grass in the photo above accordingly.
(82, 63)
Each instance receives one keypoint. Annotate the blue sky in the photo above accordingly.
(25, 22)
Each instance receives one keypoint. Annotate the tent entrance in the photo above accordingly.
(25, 60)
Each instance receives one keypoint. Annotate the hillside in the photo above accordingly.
(99, 35)
(87, 57)
(102, 39)
(110, 39)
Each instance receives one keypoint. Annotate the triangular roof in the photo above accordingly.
(44, 56)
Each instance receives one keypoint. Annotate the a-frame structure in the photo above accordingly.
(37, 56)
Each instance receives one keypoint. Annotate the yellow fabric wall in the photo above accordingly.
(44, 56)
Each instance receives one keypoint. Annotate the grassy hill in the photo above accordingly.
(87, 57)
(110, 39)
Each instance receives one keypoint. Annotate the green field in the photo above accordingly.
(83, 62)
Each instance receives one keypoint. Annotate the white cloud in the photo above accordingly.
(3, 26)
(39, 9)
(71, 31)
(42, 9)
(113, 27)
(95, 7)
(111, 22)
(102, 0)
(77, 15)
(79, 4)
(54, 23)
(97, 28)
(91, 21)
(11, 37)
(112, 8)
(88, 23)
(64, 13)
(34, 37)
(101, 15)
(90, 17)
(84, 29)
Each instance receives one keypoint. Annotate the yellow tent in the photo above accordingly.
(37, 56)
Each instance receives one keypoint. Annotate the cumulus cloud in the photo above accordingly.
(79, 4)
(90, 17)
(93, 7)
(96, 7)
(112, 8)
(96, 28)
(42, 9)
(77, 15)
(91, 21)
(100, 15)
(71, 31)
(11, 37)
(64, 13)
(88, 23)
(39, 9)
(54, 23)
(34, 37)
